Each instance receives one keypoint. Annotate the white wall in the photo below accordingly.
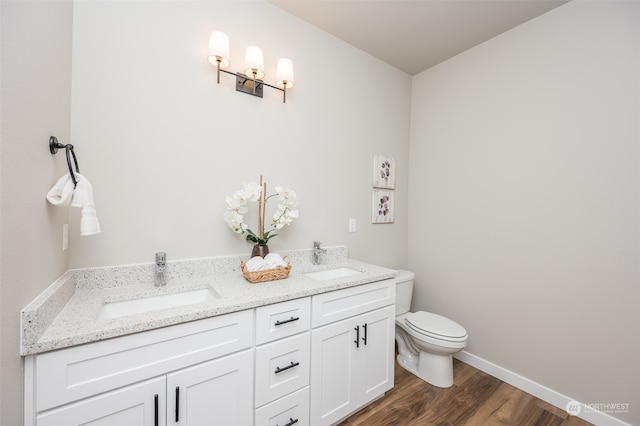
(163, 144)
(36, 97)
(524, 199)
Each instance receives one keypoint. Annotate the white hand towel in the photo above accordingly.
(256, 263)
(274, 260)
(270, 261)
(60, 194)
(63, 193)
(83, 198)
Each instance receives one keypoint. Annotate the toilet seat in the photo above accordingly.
(435, 326)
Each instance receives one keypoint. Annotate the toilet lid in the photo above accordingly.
(435, 325)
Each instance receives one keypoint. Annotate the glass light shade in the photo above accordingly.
(285, 73)
(254, 62)
(218, 49)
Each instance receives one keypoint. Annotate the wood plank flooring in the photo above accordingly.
(475, 398)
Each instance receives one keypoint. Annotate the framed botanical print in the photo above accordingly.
(384, 172)
(382, 206)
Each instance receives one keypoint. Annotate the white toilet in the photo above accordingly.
(426, 341)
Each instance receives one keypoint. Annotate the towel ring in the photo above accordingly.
(54, 145)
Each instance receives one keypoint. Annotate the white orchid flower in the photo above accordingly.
(285, 193)
(237, 204)
(234, 221)
(252, 191)
(237, 208)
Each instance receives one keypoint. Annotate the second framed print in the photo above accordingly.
(382, 206)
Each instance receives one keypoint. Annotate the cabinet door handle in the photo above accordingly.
(364, 339)
(155, 411)
(177, 404)
(291, 421)
(280, 370)
(292, 319)
(357, 341)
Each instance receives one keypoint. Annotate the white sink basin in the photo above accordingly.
(154, 303)
(330, 274)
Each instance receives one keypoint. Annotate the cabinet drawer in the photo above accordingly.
(282, 320)
(293, 409)
(282, 367)
(337, 305)
(70, 374)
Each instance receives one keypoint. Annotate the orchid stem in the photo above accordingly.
(260, 217)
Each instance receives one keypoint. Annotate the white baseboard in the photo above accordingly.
(539, 391)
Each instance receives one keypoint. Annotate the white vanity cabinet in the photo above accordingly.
(352, 348)
(132, 380)
(309, 361)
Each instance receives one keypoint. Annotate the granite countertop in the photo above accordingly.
(66, 313)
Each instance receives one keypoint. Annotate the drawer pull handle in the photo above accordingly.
(357, 341)
(177, 404)
(364, 339)
(280, 370)
(292, 421)
(292, 319)
(155, 410)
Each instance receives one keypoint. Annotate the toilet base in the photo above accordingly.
(436, 370)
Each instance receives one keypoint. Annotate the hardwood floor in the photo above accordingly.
(475, 398)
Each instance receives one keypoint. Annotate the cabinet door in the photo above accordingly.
(218, 392)
(346, 375)
(375, 359)
(137, 405)
(333, 379)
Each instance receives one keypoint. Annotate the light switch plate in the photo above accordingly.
(65, 237)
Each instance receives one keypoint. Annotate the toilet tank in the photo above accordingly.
(404, 291)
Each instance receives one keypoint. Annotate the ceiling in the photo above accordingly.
(413, 35)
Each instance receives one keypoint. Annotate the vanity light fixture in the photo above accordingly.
(250, 81)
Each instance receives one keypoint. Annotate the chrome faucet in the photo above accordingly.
(161, 265)
(318, 252)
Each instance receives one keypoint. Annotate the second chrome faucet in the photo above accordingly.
(161, 266)
(318, 252)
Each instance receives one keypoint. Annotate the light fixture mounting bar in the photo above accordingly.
(251, 86)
